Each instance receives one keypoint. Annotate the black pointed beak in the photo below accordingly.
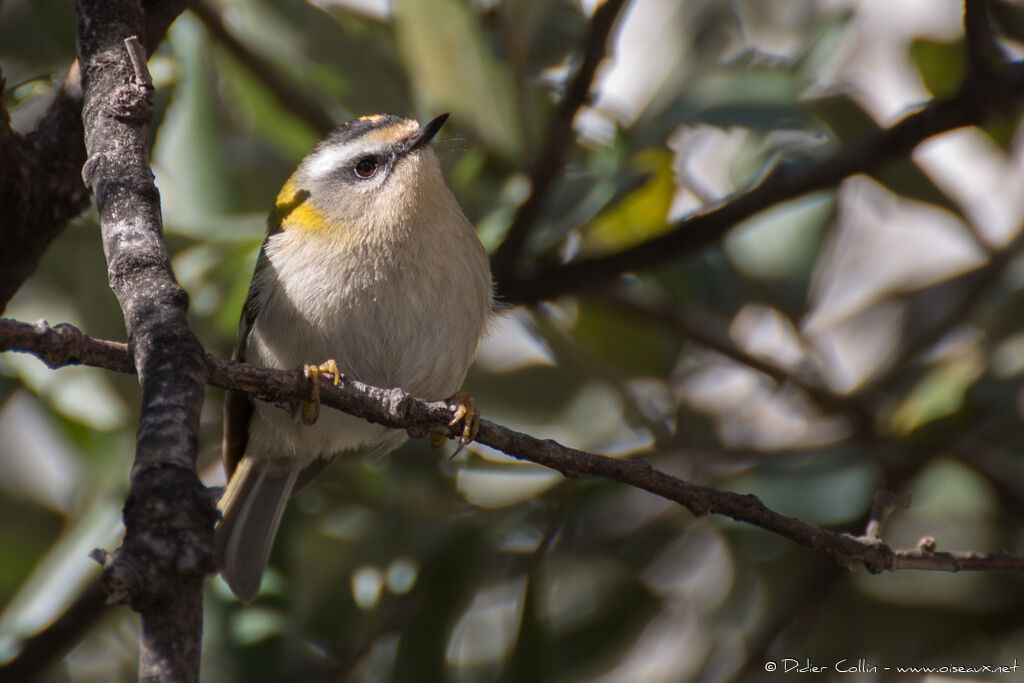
(427, 132)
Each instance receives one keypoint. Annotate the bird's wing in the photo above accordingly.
(238, 406)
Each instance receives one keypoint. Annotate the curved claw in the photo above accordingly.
(466, 413)
(311, 374)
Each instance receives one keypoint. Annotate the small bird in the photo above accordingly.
(371, 271)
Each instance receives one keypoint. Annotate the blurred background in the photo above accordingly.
(862, 338)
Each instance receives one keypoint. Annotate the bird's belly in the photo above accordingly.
(376, 339)
(375, 336)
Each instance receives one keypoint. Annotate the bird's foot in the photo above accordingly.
(311, 375)
(467, 414)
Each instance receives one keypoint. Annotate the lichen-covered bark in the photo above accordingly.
(160, 567)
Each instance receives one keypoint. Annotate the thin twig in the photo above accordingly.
(978, 101)
(559, 135)
(983, 49)
(710, 333)
(137, 55)
(569, 356)
(1000, 469)
(396, 409)
(410, 608)
(38, 652)
(885, 504)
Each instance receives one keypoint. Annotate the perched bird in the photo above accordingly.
(370, 269)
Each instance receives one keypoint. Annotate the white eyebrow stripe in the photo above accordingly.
(329, 159)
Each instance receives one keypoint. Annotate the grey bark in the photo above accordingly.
(160, 568)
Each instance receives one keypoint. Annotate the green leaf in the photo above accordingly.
(758, 99)
(638, 346)
(844, 117)
(948, 487)
(642, 214)
(453, 69)
(490, 483)
(191, 171)
(1002, 132)
(547, 31)
(902, 175)
(940, 393)
(263, 114)
(828, 489)
(942, 65)
(783, 241)
(453, 574)
(621, 607)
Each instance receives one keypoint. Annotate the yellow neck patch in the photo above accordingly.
(294, 211)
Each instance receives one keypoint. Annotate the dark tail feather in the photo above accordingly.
(252, 505)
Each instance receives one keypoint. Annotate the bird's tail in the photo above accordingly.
(251, 510)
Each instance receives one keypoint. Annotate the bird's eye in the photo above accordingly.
(366, 167)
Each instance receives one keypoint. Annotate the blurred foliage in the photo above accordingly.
(414, 567)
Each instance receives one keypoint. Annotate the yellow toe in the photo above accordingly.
(311, 374)
(465, 412)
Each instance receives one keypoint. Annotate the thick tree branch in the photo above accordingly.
(557, 140)
(41, 186)
(980, 99)
(64, 344)
(165, 556)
